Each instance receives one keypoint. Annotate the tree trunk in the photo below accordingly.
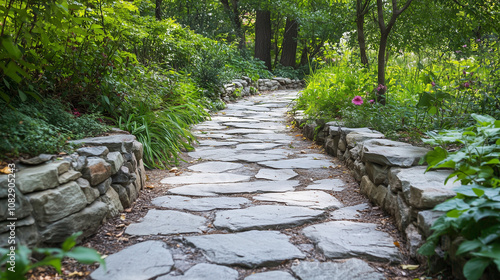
(381, 98)
(263, 37)
(289, 45)
(360, 22)
(158, 9)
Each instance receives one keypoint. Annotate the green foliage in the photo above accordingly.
(474, 213)
(165, 132)
(53, 257)
(33, 127)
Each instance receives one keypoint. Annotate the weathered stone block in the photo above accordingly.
(390, 205)
(366, 185)
(71, 175)
(342, 145)
(115, 159)
(54, 204)
(87, 220)
(24, 235)
(115, 143)
(99, 151)
(424, 190)
(426, 219)
(91, 194)
(357, 137)
(377, 173)
(104, 186)
(122, 176)
(378, 195)
(97, 170)
(38, 178)
(329, 148)
(122, 194)
(413, 240)
(21, 205)
(392, 153)
(112, 200)
(359, 170)
(402, 213)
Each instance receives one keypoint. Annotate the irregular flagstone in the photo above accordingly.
(215, 143)
(247, 131)
(278, 151)
(201, 178)
(141, 261)
(215, 166)
(209, 125)
(274, 275)
(199, 204)
(235, 188)
(257, 146)
(231, 119)
(213, 154)
(276, 175)
(205, 271)
(248, 249)
(213, 135)
(273, 136)
(256, 125)
(335, 185)
(349, 213)
(265, 217)
(311, 199)
(302, 163)
(166, 222)
(392, 153)
(345, 239)
(257, 157)
(349, 269)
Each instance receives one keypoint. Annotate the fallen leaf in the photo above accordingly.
(119, 234)
(128, 210)
(409, 266)
(120, 226)
(396, 244)
(123, 217)
(150, 187)
(6, 170)
(174, 169)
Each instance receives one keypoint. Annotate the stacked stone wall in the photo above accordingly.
(389, 175)
(245, 86)
(56, 196)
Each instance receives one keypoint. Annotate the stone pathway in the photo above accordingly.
(249, 208)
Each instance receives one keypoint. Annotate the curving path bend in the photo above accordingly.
(253, 205)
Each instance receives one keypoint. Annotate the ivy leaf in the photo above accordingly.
(468, 246)
(435, 156)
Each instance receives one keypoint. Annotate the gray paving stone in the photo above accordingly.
(215, 166)
(265, 217)
(276, 174)
(201, 178)
(205, 271)
(301, 163)
(235, 188)
(349, 213)
(335, 185)
(248, 249)
(311, 199)
(199, 204)
(345, 239)
(257, 157)
(213, 135)
(257, 146)
(348, 269)
(247, 131)
(253, 125)
(141, 261)
(214, 154)
(269, 136)
(216, 143)
(164, 222)
(274, 275)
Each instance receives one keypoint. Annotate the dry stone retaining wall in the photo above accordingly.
(389, 175)
(57, 196)
(246, 86)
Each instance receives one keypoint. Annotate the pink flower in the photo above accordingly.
(76, 113)
(465, 46)
(466, 84)
(433, 83)
(358, 100)
(465, 73)
(372, 101)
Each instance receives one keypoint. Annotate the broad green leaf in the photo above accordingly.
(483, 119)
(468, 245)
(11, 48)
(85, 255)
(474, 268)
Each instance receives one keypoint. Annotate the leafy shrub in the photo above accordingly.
(53, 257)
(474, 213)
(35, 128)
(164, 133)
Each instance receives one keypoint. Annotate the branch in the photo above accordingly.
(400, 11)
(380, 12)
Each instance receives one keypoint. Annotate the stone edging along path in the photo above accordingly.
(256, 202)
(389, 175)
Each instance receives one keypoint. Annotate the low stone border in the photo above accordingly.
(389, 175)
(56, 196)
(245, 86)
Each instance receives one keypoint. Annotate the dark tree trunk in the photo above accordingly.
(304, 57)
(361, 10)
(263, 37)
(234, 14)
(289, 45)
(385, 30)
(158, 9)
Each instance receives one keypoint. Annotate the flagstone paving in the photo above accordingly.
(249, 205)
